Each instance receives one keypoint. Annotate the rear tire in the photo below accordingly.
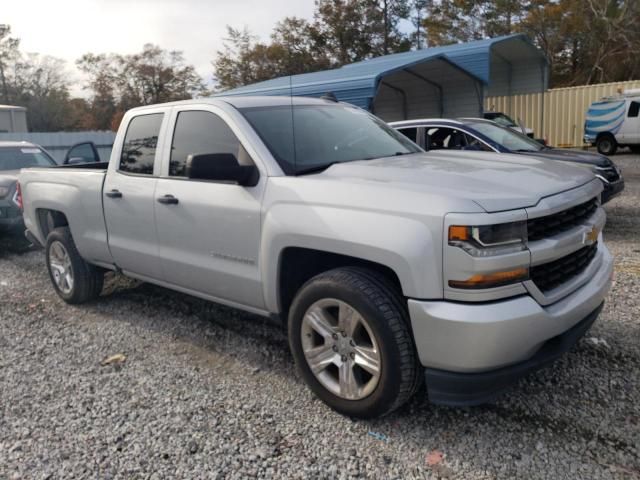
(74, 280)
(606, 144)
(353, 326)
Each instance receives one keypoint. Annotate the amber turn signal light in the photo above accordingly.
(490, 280)
(459, 233)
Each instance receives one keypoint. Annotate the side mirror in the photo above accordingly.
(221, 167)
(85, 152)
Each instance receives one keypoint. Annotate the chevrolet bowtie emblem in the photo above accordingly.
(591, 236)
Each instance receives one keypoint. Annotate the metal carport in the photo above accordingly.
(448, 81)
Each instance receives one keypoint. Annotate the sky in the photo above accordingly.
(69, 28)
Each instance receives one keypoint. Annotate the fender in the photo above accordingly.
(80, 202)
(405, 245)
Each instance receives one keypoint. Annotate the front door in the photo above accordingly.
(129, 201)
(208, 232)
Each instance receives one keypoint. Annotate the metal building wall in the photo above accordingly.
(564, 110)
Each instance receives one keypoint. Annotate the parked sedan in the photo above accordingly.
(485, 135)
(13, 157)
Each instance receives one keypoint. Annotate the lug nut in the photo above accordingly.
(344, 358)
(344, 334)
(352, 343)
(335, 348)
(353, 355)
(334, 336)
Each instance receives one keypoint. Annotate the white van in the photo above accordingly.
(614, 122)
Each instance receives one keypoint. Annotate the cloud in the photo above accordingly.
(69, 28)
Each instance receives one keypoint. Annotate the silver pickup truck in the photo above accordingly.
(389, 267)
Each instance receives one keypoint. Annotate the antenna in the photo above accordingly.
(293, 124)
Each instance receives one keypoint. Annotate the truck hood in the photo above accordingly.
(495, 182)
(576, 156)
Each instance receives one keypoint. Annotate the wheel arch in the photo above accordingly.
(297, 265)
(48, 219)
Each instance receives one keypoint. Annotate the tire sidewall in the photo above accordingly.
(63, 236)
(610, 142)
(385, 393)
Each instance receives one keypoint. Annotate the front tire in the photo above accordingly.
(350, 338)
(606, 144)
(74, 280)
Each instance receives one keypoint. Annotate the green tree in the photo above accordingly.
(295, 47)
(9, 54)
(120, 82)
(40, 84)
(101, 72)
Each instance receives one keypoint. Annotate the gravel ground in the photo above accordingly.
(209, 392)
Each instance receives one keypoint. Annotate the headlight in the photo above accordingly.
(489, 240)
(4, 191)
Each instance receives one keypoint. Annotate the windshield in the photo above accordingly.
(502, 119)
(507, 137)
(324, 135)
(15, 158)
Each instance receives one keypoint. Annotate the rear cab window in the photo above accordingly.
(140, 143)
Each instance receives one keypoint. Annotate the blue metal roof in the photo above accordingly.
(357, 83)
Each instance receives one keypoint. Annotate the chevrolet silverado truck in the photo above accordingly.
(390, 267)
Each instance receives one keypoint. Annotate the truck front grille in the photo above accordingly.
(553, 274)
(543, 227)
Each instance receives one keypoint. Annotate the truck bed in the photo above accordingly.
(76, 192)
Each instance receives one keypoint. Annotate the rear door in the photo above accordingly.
(209, 235)
(128, 195)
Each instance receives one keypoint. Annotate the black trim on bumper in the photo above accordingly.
(612, 190)
(467, 389)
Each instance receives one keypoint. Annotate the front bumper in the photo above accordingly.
(467, 389)
(471, 338)
(612, 190)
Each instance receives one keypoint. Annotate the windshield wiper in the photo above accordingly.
(324, 166)
(315, 168)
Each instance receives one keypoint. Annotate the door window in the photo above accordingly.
(140, 143)
(200, 132)
(634, 108)
(81, 153)
(445, 138)
(410, 133)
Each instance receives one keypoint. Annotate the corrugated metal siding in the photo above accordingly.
(459, 91)
(57, 143)
(564, 110)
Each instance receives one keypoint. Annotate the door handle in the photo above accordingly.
(168, 200)
(114, 194)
